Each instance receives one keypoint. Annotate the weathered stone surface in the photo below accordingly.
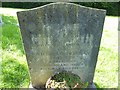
(61, 36)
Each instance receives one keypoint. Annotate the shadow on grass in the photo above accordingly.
(98, 87)
(11, 37)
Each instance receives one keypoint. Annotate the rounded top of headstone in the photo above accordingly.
(65, 3)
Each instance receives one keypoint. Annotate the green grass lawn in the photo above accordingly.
(106, 74)
(14, 70)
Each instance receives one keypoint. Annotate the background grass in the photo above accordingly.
(14, 67)
(106, 75)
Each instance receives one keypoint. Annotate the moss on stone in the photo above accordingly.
(66, 79)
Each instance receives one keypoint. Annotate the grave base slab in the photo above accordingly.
(91, 87)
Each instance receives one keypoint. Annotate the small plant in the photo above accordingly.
(65, 80)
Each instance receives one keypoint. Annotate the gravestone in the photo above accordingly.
(1, 21)
(61, 36)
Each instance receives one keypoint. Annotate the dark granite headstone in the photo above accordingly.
(61, 36)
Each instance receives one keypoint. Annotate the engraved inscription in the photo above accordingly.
(63, 48)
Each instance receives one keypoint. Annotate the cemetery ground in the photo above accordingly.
(14, 70)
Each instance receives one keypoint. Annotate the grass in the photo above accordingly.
(106, 75)
(14, 70)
